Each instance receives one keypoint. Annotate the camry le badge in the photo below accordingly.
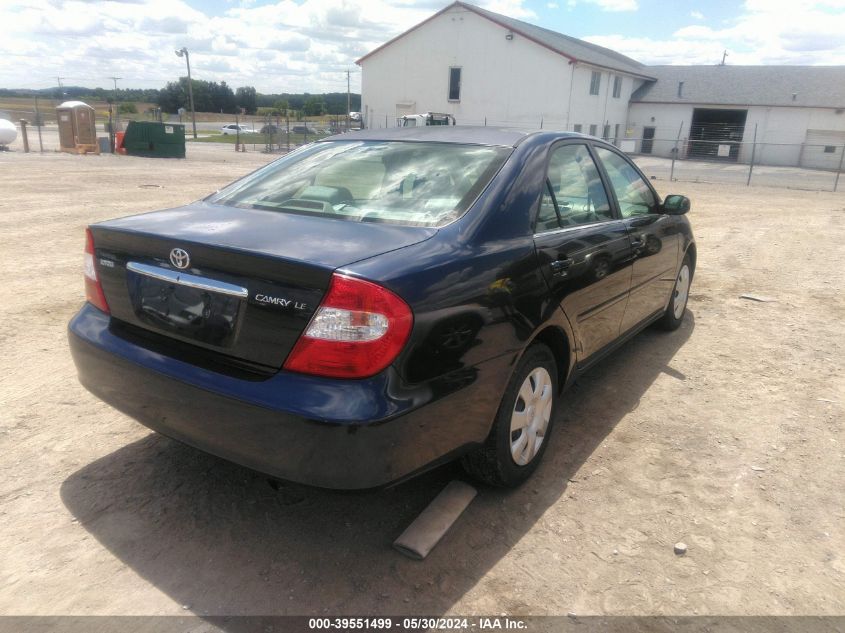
(180, 258)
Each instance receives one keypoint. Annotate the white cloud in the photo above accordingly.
(614, 5)
(307, 45)
(286, 45)
(766, 32)
(696, 15)
(512, 8)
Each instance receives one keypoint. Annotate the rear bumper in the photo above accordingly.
(320, 432)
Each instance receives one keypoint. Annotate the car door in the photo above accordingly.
(655, 238)
(583, 247)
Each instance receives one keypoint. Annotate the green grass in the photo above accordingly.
(251, 139)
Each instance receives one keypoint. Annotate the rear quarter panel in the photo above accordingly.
(477, 293)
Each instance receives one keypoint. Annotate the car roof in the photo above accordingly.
(466, 134)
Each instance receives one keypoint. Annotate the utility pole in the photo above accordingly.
(61, 88)
(724, 54)
(117, 109)
(183, 52)
(348, 101)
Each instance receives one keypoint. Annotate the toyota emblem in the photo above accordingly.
(180, 258)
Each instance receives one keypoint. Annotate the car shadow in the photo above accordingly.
(222, 540)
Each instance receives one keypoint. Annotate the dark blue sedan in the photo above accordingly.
(377, 303)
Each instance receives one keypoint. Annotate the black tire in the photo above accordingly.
(669, 321)
(492, 463)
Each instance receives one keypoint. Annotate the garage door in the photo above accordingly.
(822, 149)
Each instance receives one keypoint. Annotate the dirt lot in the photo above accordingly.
(727, 435)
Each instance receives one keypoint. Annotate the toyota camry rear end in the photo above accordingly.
(286, 322)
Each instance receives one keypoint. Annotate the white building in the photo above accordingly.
(798, 113)
(488, 69)
(483, 67)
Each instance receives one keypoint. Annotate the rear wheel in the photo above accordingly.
(674, 314)
(523, 423)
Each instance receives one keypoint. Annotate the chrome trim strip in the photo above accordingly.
(575, 227)
(153, 271)
(185, 279)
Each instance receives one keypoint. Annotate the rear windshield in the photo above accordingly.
(420, 184)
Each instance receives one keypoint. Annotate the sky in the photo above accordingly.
(308, 45)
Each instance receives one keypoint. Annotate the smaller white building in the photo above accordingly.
(797, 112)
(488, 69)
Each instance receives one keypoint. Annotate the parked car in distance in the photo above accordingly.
(373, 304)
(355, 116)
(232, 128)
(270, 129)
(426, 118)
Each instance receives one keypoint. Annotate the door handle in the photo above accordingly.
(638, 241)
(559, 266)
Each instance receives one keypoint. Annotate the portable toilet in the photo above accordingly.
(77, 128)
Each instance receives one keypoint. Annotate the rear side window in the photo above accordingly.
(632, 192)
(547, 218)
(574, 190)
(420, 184)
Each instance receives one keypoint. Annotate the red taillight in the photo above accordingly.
(358, 330)
(93, 289)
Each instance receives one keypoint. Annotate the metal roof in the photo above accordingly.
(469, 134)
(569, 47)
(805, 86)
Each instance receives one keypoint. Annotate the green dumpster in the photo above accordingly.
(158, 140)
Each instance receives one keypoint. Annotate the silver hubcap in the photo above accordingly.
(531, 413)
(681, 292)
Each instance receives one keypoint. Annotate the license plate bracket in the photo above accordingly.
(195, 314)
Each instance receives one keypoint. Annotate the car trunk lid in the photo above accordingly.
(252, 279)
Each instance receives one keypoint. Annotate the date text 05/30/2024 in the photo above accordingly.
(417, 624)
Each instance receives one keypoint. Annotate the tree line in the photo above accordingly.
(144, 95)
(209, 96)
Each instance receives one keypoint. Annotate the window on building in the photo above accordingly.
(595, 82)
(593, 129)
(578, 127)
(616, 134)
(829, 149)
(617, 87)
(454, 84)
(606, 133)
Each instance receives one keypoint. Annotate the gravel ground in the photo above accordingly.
(726, 435)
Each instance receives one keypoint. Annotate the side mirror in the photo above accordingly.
(676, 205)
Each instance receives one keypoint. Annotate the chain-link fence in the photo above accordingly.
(808, 166)
(262, 133)
(704, 151)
